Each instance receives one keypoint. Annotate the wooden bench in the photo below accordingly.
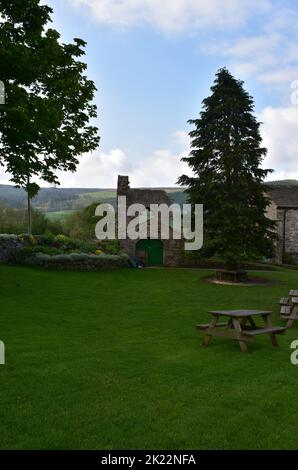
(239, 326)
(285, 310)
(289, 308)
(205, 326)
(293, 293)
(277, 330)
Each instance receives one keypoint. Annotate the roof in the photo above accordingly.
(285, 196)
(148, 196)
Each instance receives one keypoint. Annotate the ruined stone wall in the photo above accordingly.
(277, 215)
(291, 232)
(172, 248)
(271, 211)
(280, 236)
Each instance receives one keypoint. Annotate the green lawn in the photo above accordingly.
(112, 360)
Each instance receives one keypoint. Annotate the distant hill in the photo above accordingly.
(69, 199)
(283, 183)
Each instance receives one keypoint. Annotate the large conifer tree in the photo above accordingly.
(226, 156)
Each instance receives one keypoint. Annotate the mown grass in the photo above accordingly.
(112, 360)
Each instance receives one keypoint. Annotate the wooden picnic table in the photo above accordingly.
(293, 293)
(240, 326)
(289, 308)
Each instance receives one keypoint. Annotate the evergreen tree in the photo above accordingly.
(226, 156)
(45, 121)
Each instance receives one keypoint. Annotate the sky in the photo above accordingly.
(153, 62)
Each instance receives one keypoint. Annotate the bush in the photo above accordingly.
(77, 261)
(81, 224)
(14, 221)
(23, 254)
(62, 239)
(84, 246)
(110, 246)
(47, 239)
(288, 259)
(47, 250)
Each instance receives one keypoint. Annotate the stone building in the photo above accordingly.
(152, 251)
(284, 210)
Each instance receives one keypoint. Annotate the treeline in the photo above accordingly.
(47, 199)
(14, 221)
(80, 225)
(64, 199)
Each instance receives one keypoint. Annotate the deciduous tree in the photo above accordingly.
(45, 121)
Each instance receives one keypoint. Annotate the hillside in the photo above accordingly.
(68, 199)
(61, 200)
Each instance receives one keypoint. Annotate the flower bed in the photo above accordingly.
(60, 252)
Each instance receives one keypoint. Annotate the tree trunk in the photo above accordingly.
(29, 211)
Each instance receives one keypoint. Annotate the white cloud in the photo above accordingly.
(161, 169)
(182, 137)
(100, 169)
(269, 53)
(97, 169)
(287, 75)
(173, 15)
(280, 136)
(3, 176)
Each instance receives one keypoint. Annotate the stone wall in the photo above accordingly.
(9, 245)
(291, 232)
(287, 231)
(280, 236)
(172, 248)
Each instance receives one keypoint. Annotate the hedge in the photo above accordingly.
(77, 261)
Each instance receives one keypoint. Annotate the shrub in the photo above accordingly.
(48, 250)
(111, 246)
(23, 254)
(77, 261)
(61, 238)
(81, 224)
(288, 259)
(85, 246)
(47, 239)
(14, 221)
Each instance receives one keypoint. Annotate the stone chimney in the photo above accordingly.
(123, 185)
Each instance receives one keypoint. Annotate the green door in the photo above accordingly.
(154, 249)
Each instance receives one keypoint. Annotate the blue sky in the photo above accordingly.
(153, 61)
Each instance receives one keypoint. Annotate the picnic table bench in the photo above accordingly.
(293, 293)
(289, 308)
(240, 326)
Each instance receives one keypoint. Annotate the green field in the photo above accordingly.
(58, 216)
(112, 360)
